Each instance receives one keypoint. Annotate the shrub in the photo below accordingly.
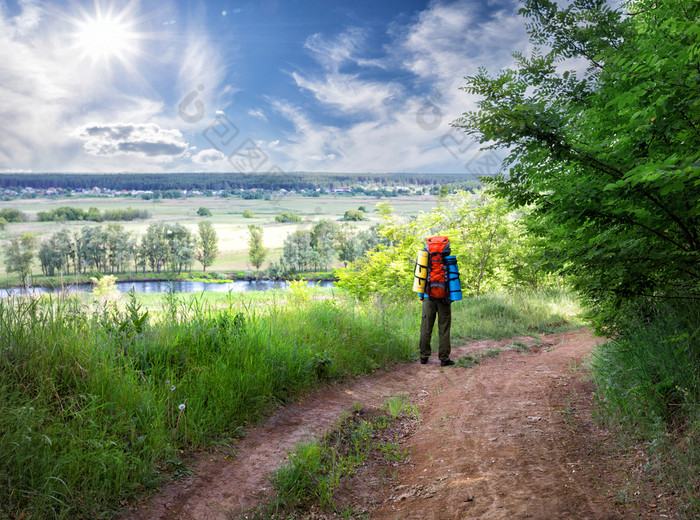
(354, 214)
(12, 215)
(287, 216)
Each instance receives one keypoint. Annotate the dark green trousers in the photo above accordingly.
(444, 315)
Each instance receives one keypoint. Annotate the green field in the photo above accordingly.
(227, 217)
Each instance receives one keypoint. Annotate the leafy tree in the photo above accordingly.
(287, 216)
(93, 248)
(354, 214)
(56, 253)
(248, 214)
(155, 247)
(94, 215)
(609, 161)
(204, 212)
(19, 255)
(3, 223)
(348, 244)
(322, 238)
(297, 253)
(120, 247)
(256, 252)
(182, 247)
(207, 245)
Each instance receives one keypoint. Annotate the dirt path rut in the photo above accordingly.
(510, 438)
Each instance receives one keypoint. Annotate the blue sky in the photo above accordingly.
(256, 86)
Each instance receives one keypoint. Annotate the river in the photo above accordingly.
(237, 286)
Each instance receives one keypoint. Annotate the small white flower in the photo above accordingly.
(172, 388)
(182, 406)
(167, 381)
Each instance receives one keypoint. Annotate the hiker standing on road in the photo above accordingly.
(436, 300)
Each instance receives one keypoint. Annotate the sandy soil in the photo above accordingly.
(512, 438)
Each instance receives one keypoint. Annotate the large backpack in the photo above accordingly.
(438, 248)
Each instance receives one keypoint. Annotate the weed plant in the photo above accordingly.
(310, 477)
(649, 388)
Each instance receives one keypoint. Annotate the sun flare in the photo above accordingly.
(106, 35)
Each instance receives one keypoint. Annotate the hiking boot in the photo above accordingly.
(446, 363)
(423, 361)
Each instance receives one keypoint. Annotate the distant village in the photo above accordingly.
(29, 192)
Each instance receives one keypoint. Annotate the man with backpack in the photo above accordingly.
(436, 300)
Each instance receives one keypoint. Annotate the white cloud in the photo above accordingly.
(333, 53)
(147, 140)
(208, 156)
(406, 127)
(348, 93)
(258, 114)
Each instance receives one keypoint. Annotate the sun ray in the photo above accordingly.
(107, 35)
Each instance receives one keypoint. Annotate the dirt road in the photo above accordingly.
(511, 438)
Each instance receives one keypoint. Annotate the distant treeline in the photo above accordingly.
(229, 181)
(66, 213)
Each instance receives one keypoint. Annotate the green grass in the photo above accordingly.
(649, 391)
(90, 393)
(505, 315)
(315, 468)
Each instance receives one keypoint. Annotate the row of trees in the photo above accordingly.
(170, 184)
(66, 213)
(315, 249)
(112, 249)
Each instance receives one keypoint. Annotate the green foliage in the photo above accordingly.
(204, 212)
(608, 165)
(104, 288)
(297, 253)
(256, 252)
(90, 399)
(481, 231)
(67, 213)
(3, 223)
(12, 215)
(649, 389)
(248, 214)
(607, 162)
(19, 255)
(287, 216)
(207, 245)
(301, 291)
(354, 214)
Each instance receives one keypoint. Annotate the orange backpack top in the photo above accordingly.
(438, 248)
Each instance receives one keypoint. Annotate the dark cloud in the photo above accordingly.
(149, 140)
(152, 149)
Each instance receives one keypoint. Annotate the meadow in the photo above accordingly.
(227, 218)
(101, 400)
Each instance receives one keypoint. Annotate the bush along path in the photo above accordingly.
(506, 433)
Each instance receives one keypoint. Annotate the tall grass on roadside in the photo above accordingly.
(95, 398)
(649, 387)
(92, 399)
(504, 315)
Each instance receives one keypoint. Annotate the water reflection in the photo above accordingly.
(177, 286)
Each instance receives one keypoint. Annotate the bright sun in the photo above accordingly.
(106, 35)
